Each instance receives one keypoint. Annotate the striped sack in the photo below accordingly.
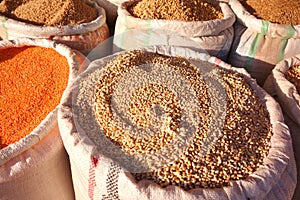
(213, 36)
(259, 45)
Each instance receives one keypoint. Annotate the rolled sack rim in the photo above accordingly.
(273, 165)
(35, 31)
(265, 27)
(50, 122)
(287, 91)
(199, 28)
(273, 162)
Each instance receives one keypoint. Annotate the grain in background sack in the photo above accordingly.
(214, 36)
(259, 45)
(288, 97)
(37, 166)
(97, 176)
(83, 37)
(287, 94)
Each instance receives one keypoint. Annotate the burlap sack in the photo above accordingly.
(214, 36)
(259, 45)
(96, 176)
(83, 37)
(37, 166)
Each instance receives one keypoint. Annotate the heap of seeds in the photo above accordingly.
(276, 11)
(49, 13)
(185, 10)
(238, 152)
(293, 75)
(32, 82)
(139, 105)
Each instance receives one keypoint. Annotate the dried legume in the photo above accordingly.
(276, 11)
(185, 10)
(48, 13)
(240, 150)
(293, 75)
(32, 82)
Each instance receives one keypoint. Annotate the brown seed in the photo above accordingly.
(276, 11)
(293, 75)
(231, 157)
(184, 10)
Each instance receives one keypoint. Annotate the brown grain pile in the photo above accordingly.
(276, 11)
(185, 10)
(293, 75)
(48, 13)
(238, 152)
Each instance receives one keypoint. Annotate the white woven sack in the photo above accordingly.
(213, 36)
(37, 166)
(96, 176)
(295, 132)
(259, 45)
(83, 37)
(288, 96)
(289, 99)
(117, 2)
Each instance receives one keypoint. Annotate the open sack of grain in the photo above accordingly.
(79, 24)
(170, 123)
(284, 84)
(266, 32)
(33, 161)
(194, 24)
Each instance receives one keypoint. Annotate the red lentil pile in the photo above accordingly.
(185, 10)
(293, 75)
(48, 13)
(32, 82)
(276, 11)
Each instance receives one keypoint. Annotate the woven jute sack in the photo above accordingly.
(213, 36)
(37, 166)
(97, 176)
(83, 37)
(259, 45)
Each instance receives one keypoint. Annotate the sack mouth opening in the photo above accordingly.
(261, 26)
(39, 31)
